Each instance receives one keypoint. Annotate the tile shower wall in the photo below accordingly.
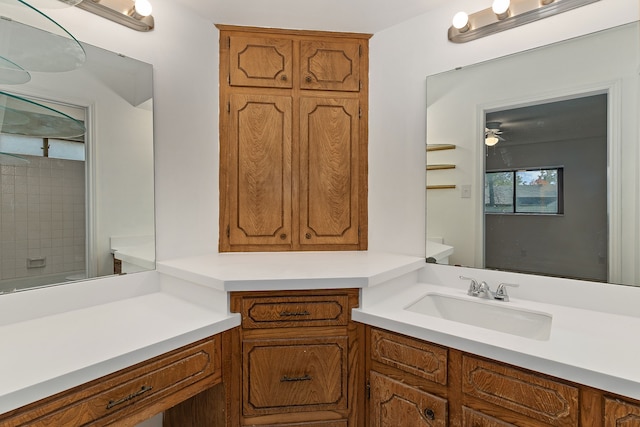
(42, 216)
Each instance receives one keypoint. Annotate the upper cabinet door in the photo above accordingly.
(329, 180)
(260, 62)
(259, 175)
(330, 65)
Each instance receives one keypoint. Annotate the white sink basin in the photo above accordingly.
(488, 314)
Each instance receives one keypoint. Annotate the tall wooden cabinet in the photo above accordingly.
(293, 140)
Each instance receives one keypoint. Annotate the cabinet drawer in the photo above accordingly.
(415, 357)
(294, 311)
(539, 398)
(126, 392)
(293, 375)
(471, 418)
(397, 404)
(620, 413)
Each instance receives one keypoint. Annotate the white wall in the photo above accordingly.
(401, 58)
(184, 51)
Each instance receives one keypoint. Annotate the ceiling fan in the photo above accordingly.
(492, 133)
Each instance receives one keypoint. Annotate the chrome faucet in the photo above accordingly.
(482, 289)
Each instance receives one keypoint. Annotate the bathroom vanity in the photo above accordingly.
(316, 339)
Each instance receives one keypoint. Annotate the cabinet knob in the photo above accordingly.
(429, 414)
(283, 236)
(283, 77)
(308, 79)
(307, 236)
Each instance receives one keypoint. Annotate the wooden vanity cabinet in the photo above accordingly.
(424, 384)
(295, 360)
(406, 381)
(293, 140)
(131, 395)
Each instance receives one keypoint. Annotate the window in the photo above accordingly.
(42, 147)
(530, 191)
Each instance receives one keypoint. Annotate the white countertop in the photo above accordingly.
(598, 349)
(291, 270)
(60, 337)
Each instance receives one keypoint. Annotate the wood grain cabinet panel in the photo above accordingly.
(304, 374)
(260, 184)
(413, 356)
(471, 418)
(618, 413)
(395, 404)
(330, 65)
(260, 61)
(539, 398)
(329, 204)
(128, 396)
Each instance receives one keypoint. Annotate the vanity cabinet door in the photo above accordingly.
(260, 61)
(471, 418)
(394, 404)
(539, 398)
(618, 413)
(329, 171)
(330, 65)
(259, 185)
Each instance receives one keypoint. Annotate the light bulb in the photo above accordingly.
(461, 21)
(143, 7)
(501, 8)
(491, 140)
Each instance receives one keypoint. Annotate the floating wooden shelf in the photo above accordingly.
(439, 147)
(441, 187)
(440, 166)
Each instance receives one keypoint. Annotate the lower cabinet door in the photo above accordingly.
(618, 413)
(471, 418)
(395, 404)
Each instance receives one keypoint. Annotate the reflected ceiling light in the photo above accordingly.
(491, 140)
(135, 14)
(505, 14)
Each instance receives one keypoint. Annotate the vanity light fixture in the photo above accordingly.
(135, 14)
(506, 14)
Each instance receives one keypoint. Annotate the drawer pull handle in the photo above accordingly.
(294, 313)
(142, 390)
(287, 379)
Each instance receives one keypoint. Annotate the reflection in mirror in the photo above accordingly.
(540, 176)
(74, 207)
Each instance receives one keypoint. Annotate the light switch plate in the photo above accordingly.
(465, 191)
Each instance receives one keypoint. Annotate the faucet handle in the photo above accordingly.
(474, 287)
(501, 291)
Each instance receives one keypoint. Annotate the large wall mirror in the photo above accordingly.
(74, 204)
(532, 161)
